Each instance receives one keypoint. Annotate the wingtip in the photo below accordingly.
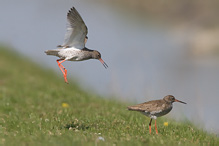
(129, 108)
(133, 108)
(72, 9)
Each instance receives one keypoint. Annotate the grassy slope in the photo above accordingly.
(31, 112)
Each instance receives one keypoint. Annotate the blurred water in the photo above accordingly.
(146, 60)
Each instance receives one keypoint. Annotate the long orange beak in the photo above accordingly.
(180, 101)
(104, 64)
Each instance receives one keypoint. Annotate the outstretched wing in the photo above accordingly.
(76, 34)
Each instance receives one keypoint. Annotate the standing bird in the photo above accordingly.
(155, 108)
(73, 48)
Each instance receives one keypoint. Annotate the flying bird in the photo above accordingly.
(73, 48)
(155, 108)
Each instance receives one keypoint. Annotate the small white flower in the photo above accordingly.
(101, 138)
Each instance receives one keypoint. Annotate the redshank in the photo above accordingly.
(155, 108)
(73, 48)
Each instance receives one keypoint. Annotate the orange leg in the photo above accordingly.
(156, 127)
(150, 126)
(62, 68)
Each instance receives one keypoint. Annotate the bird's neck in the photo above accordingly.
(88, 53)
(86, 49)
(168, 102)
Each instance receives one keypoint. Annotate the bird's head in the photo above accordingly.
(171, 99)
(97, 55)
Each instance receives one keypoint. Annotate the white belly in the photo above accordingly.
(70, 54)
(156, 114)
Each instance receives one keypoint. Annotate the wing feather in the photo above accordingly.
(76, 33)
(148, 106)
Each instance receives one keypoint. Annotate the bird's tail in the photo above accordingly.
(132, 108)
(52, 52)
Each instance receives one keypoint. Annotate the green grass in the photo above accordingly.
(31, 113)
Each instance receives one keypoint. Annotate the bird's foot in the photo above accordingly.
(65, 76)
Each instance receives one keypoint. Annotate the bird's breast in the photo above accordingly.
(158, 112)
(162, 112)
(72, 54)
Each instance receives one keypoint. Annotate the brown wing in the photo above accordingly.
(150, 106)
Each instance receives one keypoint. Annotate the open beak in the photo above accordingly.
(104, 64)
(179, 101)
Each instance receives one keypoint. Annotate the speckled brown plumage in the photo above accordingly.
(155, 108)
